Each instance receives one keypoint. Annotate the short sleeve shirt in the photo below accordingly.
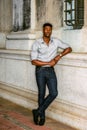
(41, 51)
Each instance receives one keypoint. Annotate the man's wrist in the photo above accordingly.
(60, 55)
(55, 60)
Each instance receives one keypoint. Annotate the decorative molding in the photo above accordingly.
(73, 59)
(21, 96)
(21, 36)
(19, 41)
(15, 54)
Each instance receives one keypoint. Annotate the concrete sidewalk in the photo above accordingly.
(14, 117)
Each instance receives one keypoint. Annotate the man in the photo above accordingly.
(44, 56)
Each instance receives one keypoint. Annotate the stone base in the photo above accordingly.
(62, 111)
(20, 41)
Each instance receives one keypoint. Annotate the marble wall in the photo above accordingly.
(18, 84)
(17, 78)
(5, 20)
(5, 15)
(49, 11)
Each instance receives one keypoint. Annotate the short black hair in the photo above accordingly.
(47, 24)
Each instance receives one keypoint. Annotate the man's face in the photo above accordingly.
(47, 31)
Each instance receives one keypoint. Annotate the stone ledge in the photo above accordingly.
(20, 41)
(72, 56)
(8, 51)
(19, 36)
(72, 59)
(59, 110)
(15, 54)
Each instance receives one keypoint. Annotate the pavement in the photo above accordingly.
(15, 117)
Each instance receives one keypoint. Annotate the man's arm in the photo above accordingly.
(54, 61)
(64, 52)
(41, 63)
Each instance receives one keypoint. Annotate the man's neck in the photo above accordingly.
(46, 40)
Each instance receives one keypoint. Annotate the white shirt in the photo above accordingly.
(43, 52)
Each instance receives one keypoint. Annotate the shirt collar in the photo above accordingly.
(51, 40)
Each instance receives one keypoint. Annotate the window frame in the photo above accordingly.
(74, 13)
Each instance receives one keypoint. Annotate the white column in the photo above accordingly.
(85, 12)
(33, 14)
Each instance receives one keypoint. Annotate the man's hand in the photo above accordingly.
(52, 63)
(65, 51)
(57, 58)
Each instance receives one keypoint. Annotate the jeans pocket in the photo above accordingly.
(38, 69)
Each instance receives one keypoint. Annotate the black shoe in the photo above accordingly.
(35, 116)
(42, 121)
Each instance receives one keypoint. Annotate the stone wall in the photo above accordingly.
(5, 15)
(18, 84)
(5, 20)
(49, 11)
(17, 78)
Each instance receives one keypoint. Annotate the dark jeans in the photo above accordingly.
(46, 76)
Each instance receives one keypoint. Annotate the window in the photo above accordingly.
(74, 13)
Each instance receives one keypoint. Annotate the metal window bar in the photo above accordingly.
(74, 13)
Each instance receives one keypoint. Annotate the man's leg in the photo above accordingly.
(51, 81)
(52, 87)
(41, 83)
(43, 76)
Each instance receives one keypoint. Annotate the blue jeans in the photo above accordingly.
(46, 76)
